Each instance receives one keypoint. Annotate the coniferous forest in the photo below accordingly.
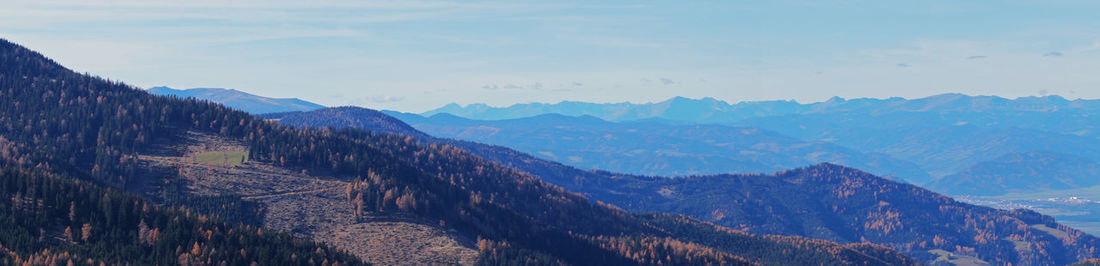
(52, 220)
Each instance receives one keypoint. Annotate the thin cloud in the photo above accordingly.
(1093, 47)
(386, 99)
(374, 99)
(976, 57)
(667, 81)
(1053, 54)
(510, 86)
(903, 65)
(505, 86)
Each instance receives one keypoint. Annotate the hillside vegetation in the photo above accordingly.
(50, 220)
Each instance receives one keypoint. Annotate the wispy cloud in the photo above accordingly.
(1053, 54)
(972, 57)
(1095, 46)
(386, 98)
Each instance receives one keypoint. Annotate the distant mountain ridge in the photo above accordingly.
(1009, 173)
(678, 109)
(942, 134)
(239, 100)
(711, 110)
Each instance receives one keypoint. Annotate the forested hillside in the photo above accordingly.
(84, 127)
(824, 201)
(346, 116)
(1022, 172)
(239, 100)
(50, 220)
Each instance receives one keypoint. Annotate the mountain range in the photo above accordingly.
(824, 201)
(239, 100)
(655, 148)
(942, 135)
(1020, 112)
(1038, 153)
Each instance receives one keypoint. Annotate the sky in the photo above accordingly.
(418, 55)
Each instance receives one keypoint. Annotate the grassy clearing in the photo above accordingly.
(1054, 232)
(221, 157)
(948, 257)
(1019, 245)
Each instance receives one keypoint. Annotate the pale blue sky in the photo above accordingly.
(419, 55)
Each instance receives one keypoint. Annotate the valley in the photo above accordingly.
(1079, 208)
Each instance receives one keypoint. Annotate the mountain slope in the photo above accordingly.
(942, 144)
(49, 218)
(824, 201)
(353, 117)
(653, 148)
(239, 100)
(1022, 172)
(114, 135)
